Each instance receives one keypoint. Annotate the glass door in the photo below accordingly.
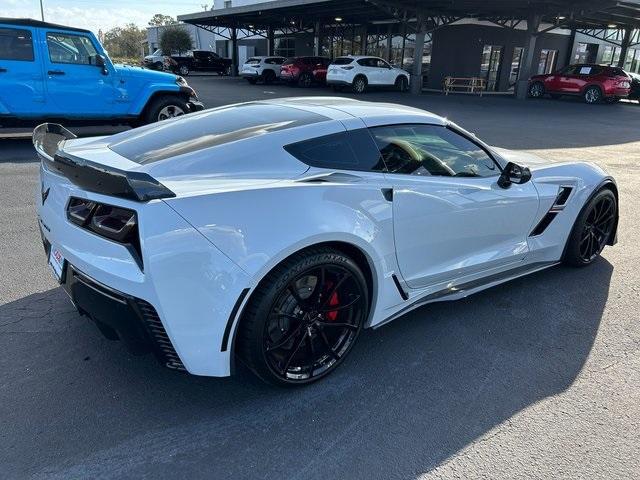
(490, 66)
(514, 72)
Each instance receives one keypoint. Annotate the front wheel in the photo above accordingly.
(536, 90)
(183, 70)
(304, 317)
(165, 107)
(402, 85)
(592, 230)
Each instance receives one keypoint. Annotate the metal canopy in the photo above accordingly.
(304, 13)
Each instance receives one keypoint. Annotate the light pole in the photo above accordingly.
(41, 10)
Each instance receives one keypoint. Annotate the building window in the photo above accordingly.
(514, 72)
(632, 62)
(285, 47)
(586, 53)
(490, 64)
(610, 55)
(547, 62)
(227, 4)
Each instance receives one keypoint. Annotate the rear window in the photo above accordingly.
(342, 61)
(288, 61)
(16, 44)
(253, 61)
(351, 150)
(207, 129)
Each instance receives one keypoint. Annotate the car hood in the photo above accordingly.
(139, 72)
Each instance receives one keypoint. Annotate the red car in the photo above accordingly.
(592, 82)
(305, 71)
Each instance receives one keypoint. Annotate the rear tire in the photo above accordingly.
(592, 95)
(164, 107)
(183, 70)
(289, 335)
(305, 80)
(359, 84)
(592, 229)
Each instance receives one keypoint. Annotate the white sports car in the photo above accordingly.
(275, 231)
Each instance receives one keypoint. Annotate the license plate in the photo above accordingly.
(56, 261)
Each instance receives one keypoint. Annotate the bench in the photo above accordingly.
(469, 84)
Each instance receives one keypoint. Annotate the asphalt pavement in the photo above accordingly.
(538, 378)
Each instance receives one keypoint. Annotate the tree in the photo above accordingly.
(175, 39)
(124, 41)
(159, 20)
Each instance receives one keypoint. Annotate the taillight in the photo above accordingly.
(115, 223)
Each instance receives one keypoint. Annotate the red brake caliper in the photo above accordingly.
(333, 301)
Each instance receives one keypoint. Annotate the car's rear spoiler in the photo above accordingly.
(48, 139)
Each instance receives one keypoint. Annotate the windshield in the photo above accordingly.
(157, 53)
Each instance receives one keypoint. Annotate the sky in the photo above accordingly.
(99, 14)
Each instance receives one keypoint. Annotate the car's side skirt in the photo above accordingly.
(462, 290)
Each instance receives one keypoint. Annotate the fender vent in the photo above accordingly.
(557, 207)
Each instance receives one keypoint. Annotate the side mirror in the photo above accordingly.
(514, 173)
(102, 63)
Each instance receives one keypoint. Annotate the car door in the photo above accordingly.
(369, 66)
(450, 217)
(75, 85)
(386, 72)
(21, 76)
(561, 80)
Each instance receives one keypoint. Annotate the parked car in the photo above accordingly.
(634, 91)
(200, 60)
(594, 83)
(282, 263)
(304, 71)
(360, 73)
(264, 69)
(54, 71)
(155, 60)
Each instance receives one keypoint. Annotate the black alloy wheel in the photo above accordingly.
(593, 229)
(536, 90)
(301, 324)
(592, 95)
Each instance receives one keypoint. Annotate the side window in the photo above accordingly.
(68, 48)
(381, 63)
(352, 150)
(16, 45)
(432, 150)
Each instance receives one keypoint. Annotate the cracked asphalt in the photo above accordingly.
(538, 378)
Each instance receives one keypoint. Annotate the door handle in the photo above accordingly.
(3, 70)
(55, 72)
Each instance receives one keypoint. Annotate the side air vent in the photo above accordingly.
(165, 350)
(556, 208)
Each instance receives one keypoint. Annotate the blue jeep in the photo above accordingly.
(51, 71)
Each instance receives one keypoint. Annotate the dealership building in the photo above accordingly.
(502, 42)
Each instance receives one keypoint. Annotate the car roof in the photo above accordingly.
(371, 113)
(30, 22)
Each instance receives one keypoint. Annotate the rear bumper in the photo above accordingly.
(617, 92)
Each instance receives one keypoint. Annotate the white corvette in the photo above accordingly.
(275, 231)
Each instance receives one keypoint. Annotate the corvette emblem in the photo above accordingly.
(44, 193)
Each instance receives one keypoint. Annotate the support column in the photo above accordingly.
(389, 39)
(234, 52)
(363, 42)
(626, 41)
(416, 74)
(270, 41)
(528, 57)
(317, 46)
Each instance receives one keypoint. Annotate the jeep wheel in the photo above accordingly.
(165, 107)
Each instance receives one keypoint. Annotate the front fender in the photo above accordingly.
(146, 93)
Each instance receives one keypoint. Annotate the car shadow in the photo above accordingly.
(411, 395)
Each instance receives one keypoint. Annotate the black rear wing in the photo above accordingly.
(48, 140)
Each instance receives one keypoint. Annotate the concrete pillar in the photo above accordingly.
(389, 38)
(316, 39)
(270, 41)
(363, 42)
(416, 74)
(528, 57)
(626, 41)
(234, 52)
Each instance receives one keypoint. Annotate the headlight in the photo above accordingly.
(181, 81)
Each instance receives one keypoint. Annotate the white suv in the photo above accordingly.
(362, 72)
(266, 69)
